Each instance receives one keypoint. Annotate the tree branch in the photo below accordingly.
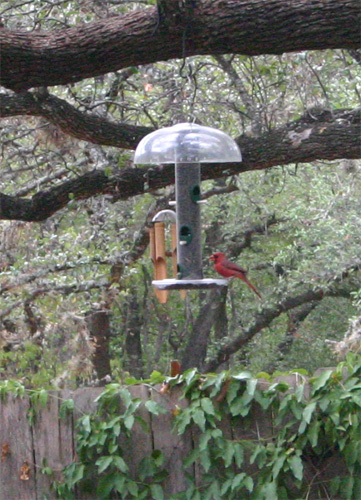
(73, 122)
(33, 59)
(318, 135)
(265, 317)
(51, 288)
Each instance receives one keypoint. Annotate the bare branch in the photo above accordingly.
(267, 314)
(51, 288)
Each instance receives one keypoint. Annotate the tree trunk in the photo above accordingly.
(195, 352)
(133, 361)
(99, 329)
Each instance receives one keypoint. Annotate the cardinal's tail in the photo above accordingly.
(246, 280)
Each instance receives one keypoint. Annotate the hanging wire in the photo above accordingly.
(189, 74)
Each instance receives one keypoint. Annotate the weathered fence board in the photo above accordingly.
(50, 441)
(18, 472)
(53, 443)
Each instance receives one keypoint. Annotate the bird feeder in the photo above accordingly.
(187, 145)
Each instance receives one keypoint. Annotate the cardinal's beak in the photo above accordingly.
(212, 257)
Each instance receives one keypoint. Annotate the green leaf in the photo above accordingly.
(66, 407)
(232, 392)
(207, 406)
(132, 488)
(129, 422)
(191, 458)
(41, 397)
(251, 386)
(237, 480)
(156, 377)
(269, 491)
(203, 440)
(296, 466)
(125, 396)
(205, 460)
(278, 464)
(321, 380)
(105, 486)
(346, 488)
(213, 492)
(154, 407)
(282, 386)
(226, 486)
(238, 454)
(335, 485)
(199, 419)
(259, 456)
(112, 447)
(214, 381)
(119, 482)
(228, 453)
(103, 463)
(157, 492)
(190, 375)
(352, 452)
(132, 381)
(85, 422)
(78, 473)
(249, 484)
(308, 412)
(242, 376)
(158, 457)
(120, 464)
(183, 420)
(313, 432)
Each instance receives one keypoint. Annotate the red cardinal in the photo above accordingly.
(229, 269)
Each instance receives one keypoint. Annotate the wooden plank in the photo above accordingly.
(175, 448)
(53, 438)
(84, 401)
(17, 470)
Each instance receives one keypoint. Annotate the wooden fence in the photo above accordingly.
(25, 448)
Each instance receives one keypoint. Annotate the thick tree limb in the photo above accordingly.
(253, 27)
(318, 135)
(73, 122)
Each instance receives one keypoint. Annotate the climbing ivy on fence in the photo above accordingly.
(305, 428)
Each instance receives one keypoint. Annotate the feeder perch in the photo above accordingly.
(187, 145)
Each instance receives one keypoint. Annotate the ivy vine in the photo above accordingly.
(307, 428)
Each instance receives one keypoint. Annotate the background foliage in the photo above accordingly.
(296, 229)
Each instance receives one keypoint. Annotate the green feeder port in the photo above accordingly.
(185, 235)
(196, 194)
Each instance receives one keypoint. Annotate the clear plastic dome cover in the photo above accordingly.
(187, 143)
